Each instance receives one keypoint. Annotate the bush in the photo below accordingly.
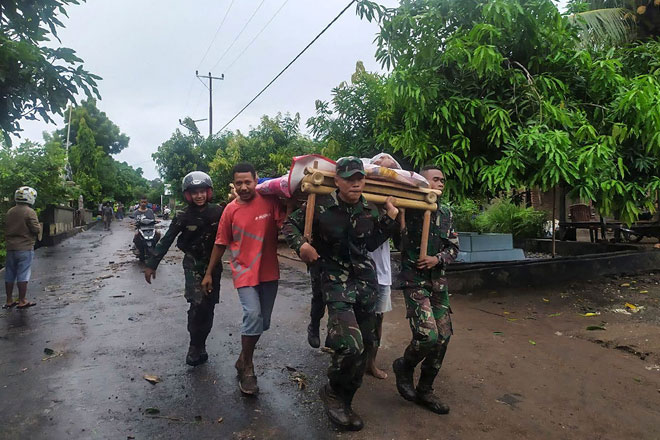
(506, 217)
(464, 214)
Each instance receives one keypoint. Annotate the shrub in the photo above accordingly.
(505, 217)
(464, 215)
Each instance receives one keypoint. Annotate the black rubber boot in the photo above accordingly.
(355, 421)
(335, 408)
(196, 356)
(313, 337)
(425, 395)
(404, 379)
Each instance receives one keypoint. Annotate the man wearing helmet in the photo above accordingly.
(196, 227)
(22, 231)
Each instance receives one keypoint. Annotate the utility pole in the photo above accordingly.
(210, 87)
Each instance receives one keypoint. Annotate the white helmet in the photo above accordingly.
(25, 194)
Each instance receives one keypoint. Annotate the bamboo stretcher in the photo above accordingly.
(405, 197)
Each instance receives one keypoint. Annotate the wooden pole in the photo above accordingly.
(426, 225)
(309, 216)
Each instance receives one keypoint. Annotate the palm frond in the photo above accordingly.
(600, 27)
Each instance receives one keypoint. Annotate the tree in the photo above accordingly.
(106, 134)
(347, 124)
(85, 157)
(501, 94)
(270, 147)
(615, 22)
(35, 80)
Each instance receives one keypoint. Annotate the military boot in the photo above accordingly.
(196, 356)
(425, 395)
(313, 337)
(404, 371)
(335, 407)
(355, 421)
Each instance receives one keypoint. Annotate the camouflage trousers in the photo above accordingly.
(428, 313)
(318, 305)
(202, 305)
(351, 335)
(194, 271)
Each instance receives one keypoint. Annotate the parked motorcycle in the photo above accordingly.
(166, 213)
(146, 237)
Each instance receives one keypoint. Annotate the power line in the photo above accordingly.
(290, 63)
(239, 34)
(257, 36)
(216, 34)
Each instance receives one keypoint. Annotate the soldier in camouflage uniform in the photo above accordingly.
(427, 299)
(196, 227)
(345, 228)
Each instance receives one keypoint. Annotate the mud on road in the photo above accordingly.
(520, 365)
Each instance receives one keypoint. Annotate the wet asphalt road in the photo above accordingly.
(108, 328)
(520, 364)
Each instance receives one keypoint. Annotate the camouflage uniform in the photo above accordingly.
(342, 236)
(425, 291)
(196, 229)
(318, 306)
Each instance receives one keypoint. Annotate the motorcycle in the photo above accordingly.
(146, 237)
(166, 213)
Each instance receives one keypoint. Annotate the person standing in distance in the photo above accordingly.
(22, 231)
(249, 227)
(427, 299)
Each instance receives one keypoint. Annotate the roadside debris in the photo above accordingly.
(590, 314)
(152, 379)
(596, 327)
(532, 342)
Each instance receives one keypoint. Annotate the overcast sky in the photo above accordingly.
(147, 52)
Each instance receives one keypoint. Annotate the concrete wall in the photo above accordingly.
(60, 222)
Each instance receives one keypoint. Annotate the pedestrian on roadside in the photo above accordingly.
(196, 227)
(249, 227)
(427, 298)
(345, 228)
(108, 213)
(22, 229)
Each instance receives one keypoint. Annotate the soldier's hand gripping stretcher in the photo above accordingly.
(308, 253)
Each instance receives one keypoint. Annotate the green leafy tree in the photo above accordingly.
(502, 94)
(347, 124)
(85, 157)
(106, 133)
(35, 80)
(270, 147)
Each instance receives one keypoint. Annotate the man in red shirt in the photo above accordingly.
(249, 227)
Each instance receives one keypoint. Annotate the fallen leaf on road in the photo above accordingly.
(152, 379)
(152, 411)
(118, 296)
(198, 418)
(595, 327)
(497, 333)
(625, 285)
(300, 379)
(49, 351)
(622, 311)
(546, 300)
(590, 314)
(643, 291)
(23, 370)
(633, 308)
(559, 333)
(532, 342)
(511, 319)
(552, 315)
(220, 419)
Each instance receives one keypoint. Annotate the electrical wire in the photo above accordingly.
(217, 31)
(239, 34)
(256, 36)
(288, 65)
